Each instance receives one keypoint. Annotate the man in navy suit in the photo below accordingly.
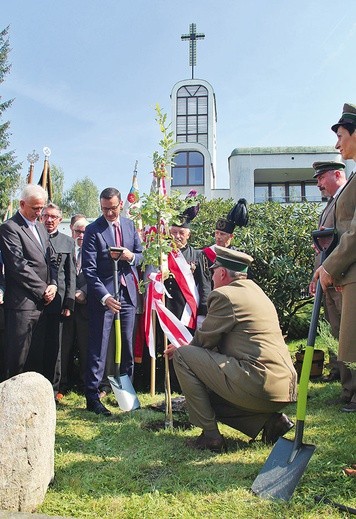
(31, 279)
(109, 230)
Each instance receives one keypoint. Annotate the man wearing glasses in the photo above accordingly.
(31, 278)
(62, 306)
(109, 230)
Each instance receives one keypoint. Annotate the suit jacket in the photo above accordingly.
(29, 267)
(341, 263)
(327, 220)
(242, 324)
(63, 248)
(97, 264)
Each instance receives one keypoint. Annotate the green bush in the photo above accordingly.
(279, 238)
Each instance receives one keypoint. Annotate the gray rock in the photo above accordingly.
(27, 434)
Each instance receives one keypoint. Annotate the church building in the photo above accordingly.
(282, 174)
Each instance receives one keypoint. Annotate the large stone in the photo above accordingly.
(27, 435)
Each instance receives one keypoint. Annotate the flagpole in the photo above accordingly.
(32, 159)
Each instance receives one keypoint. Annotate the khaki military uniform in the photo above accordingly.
(341, 265)
(237, 368)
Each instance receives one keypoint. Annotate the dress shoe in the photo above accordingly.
(350, 472)
(332, 377)
(97, 407)
(204, 443)
(349, 408)
(277, 425)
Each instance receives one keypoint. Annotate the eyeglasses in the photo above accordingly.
(50, 216)
(79, 232)
(112, 208)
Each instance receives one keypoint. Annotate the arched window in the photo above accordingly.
(192, 114)
(188, 169)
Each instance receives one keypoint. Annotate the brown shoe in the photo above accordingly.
(203, 443)
(350, 472)
(277, 425)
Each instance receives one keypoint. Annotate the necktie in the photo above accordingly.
(118, 241)
(79, 260)
(36, 233)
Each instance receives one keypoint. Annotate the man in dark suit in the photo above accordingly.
(31, 278)
(108, 231)
(75, 328)
(62, 306)
(330, 180)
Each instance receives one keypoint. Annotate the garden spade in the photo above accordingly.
(121, 385)
(288, 460)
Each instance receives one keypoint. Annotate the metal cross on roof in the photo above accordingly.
(193, 36)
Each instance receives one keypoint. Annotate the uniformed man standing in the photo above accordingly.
(330, 180)
(339, 268)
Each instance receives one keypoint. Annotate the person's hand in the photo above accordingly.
(170, 351)
(126, 255)
(49, 293)
(113, 305)
(312, 288)
(1, 297)
(324, 277)
(80, 297)
(65, 312)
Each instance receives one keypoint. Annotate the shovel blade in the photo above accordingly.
(124, 392)
(279, 476)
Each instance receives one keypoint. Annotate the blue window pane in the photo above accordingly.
(196, 176)
(180, 159)
(179, 177)
(195, 158)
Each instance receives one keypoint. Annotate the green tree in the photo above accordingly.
(279, 239)
(9, 168)
(82, 197)
(57, 178)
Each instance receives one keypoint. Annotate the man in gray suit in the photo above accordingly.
(31, 278)
(330, 180)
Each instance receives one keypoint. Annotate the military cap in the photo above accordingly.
(231, 259)
(348, 116)
(321, 167)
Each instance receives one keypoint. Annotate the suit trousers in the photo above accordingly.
(101, 321)
(74, 342)
(347, 340)
(332, 301)
(211, 396)
(24, 329)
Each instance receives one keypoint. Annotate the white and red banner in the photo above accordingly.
(183, 274)
(172, 327)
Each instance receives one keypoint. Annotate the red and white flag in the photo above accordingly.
(172, 327)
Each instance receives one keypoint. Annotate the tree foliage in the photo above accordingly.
(57, 178)
(278, 237)
(9, 168)
(82, 197)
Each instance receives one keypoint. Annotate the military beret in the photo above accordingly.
(321, 167)
(231, 259)
(348, 117)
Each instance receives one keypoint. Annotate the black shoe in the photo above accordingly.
(204, 443)
(277, 425)
(97, 407)
(332, 377)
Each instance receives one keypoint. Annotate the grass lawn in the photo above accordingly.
(119, 467)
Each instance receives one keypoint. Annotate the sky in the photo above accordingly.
(86, 76)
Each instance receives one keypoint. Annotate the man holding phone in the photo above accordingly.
(109, 230)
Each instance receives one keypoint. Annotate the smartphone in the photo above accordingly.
(117, 249)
